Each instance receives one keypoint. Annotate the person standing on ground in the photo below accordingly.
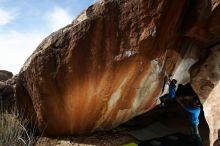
(193, 110)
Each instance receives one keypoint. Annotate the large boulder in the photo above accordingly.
(108, 65)
(205, 74)
(212, 112)
(205, 80)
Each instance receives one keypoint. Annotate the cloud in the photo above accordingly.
(30, 26)
(58, 18)
(16, 47)
(7, 16)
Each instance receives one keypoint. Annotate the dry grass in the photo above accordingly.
(13, 131)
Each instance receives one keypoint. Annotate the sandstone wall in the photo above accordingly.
(206, 73)
(108, 65)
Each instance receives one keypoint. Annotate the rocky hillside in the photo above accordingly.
(108, 66)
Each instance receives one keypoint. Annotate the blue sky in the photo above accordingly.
(25, 23)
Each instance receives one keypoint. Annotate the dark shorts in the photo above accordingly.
(195, 135)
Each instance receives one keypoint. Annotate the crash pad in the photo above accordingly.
(131, 144)
(152, 131)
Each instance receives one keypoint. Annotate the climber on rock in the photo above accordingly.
(193, 108)
(172, 91)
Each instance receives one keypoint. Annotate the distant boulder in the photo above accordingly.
(12, 81)
(5, 75)
(7, 90)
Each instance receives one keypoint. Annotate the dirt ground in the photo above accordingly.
(114, 137)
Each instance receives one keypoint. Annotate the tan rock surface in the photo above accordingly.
(206, 74)
(205, 81)
(212, 112)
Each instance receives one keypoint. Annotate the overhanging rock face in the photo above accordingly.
(108, 65)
